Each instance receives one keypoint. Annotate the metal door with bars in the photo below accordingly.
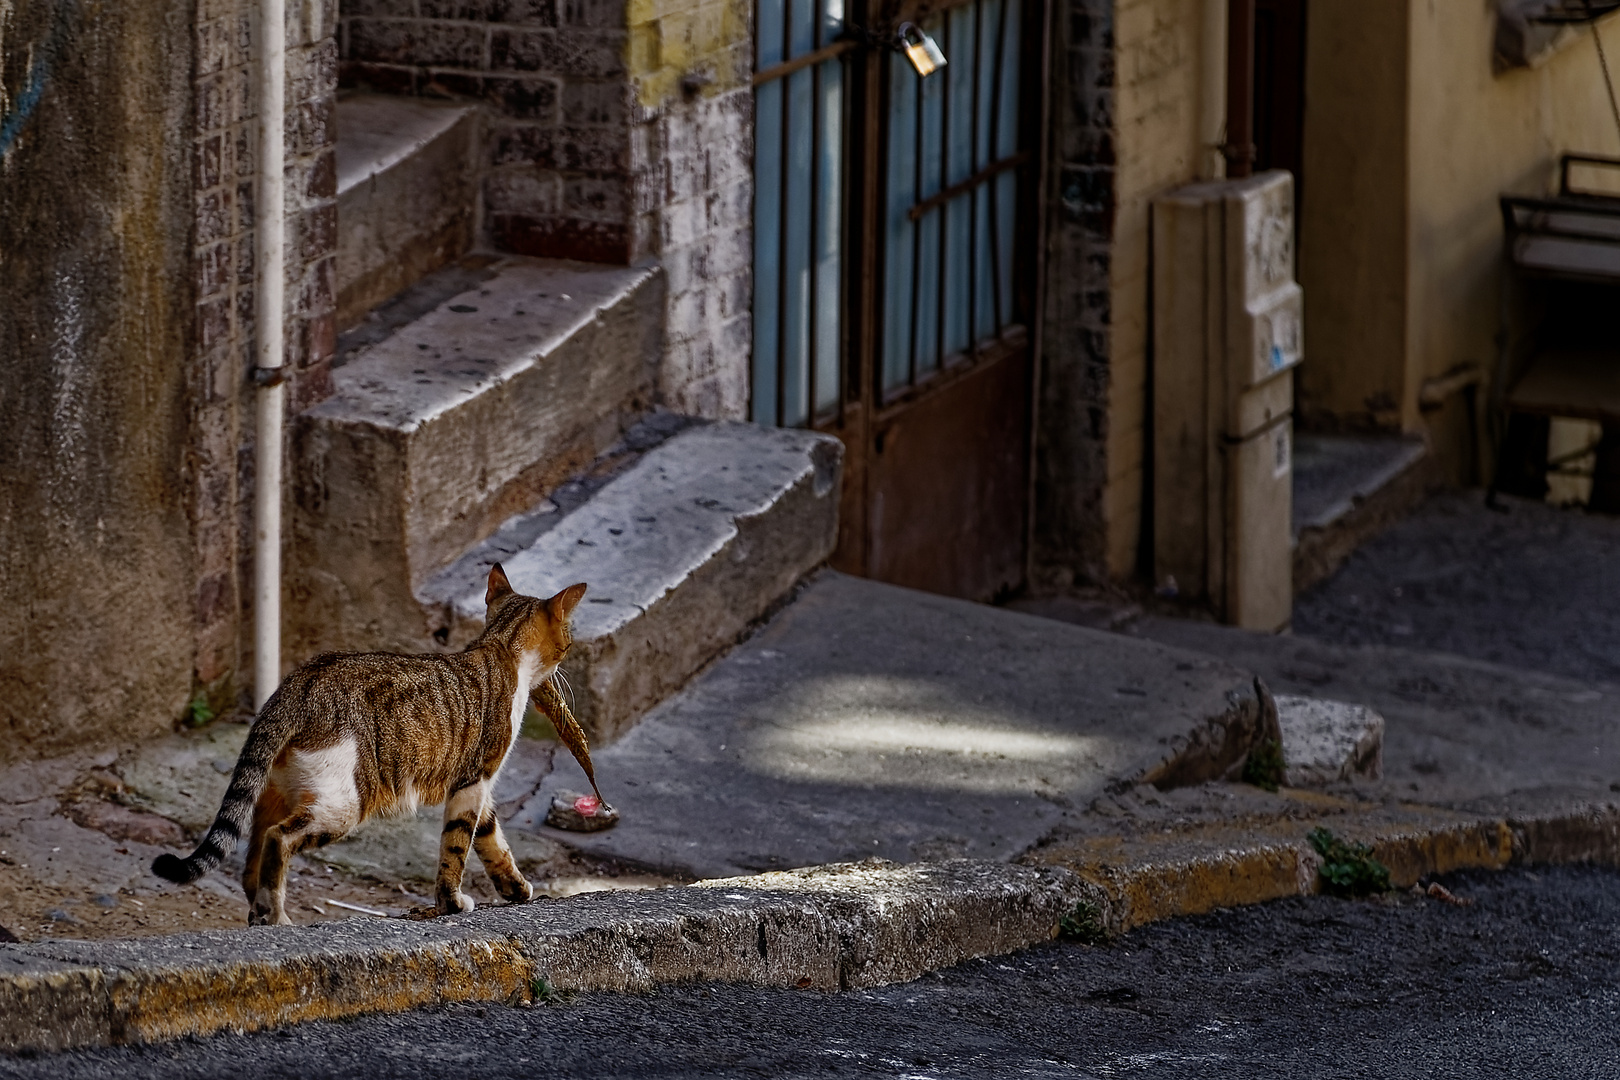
(893, 274)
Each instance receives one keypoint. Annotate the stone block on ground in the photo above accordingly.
(1325, 742)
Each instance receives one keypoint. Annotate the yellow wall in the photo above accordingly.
(1353, 212)
(1156, 111)
(1410, 139)
(672, 38)
(1473, 136)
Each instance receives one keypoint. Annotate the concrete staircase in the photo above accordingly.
(499, 408)
(406, 194)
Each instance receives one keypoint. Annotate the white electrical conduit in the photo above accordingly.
(269, 286)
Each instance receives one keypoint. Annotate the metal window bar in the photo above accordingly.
(799, 97)
(974, 186)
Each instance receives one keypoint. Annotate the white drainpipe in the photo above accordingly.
(269, 239)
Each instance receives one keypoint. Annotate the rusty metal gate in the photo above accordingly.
(893, 274)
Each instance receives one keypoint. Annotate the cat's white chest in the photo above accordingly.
(528, 674)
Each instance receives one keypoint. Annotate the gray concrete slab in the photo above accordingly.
(1457, 731)
(1348, 489)
(407, 189)
(378, 131)
(1333, 474)
(871, 720)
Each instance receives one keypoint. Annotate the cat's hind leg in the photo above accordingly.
(282, 841)
(496, 855)
(325, 807)
(271, 809)
(462, 812)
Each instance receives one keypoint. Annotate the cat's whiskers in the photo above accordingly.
(563, 683)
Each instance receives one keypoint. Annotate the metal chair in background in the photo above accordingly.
(1560, 339)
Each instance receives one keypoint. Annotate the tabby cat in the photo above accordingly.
(350, 735)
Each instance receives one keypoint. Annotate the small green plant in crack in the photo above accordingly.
(1265, 767)
(1348, 868)
(541, 992)
(1083, 923)
(198, 712)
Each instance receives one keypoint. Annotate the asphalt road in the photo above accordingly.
(1530, 586)
(1525, 982)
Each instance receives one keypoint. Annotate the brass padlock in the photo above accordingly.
(920, 49)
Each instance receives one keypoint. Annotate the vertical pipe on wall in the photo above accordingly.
(1212, 92)
(269, 288)
(1240, 88)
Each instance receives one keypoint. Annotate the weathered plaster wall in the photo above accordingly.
(1411, 137)
(96, 334)
(1126, 104)
(1157, 112)
(1354, 215)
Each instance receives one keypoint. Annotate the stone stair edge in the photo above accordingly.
(354, 402)
(427, 119)
(465, 594)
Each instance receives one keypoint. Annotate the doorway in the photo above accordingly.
(894, 257)
(1279, 90)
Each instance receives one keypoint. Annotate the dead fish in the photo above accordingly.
(551, 703)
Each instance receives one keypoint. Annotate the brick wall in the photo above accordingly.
(223, 438)
(692, 161)
(618, 130)
(695, 203)
(552, 75)
(1126, 115)
(1076, 366)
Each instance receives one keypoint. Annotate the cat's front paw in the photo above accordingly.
(451, 902)
(515, 890)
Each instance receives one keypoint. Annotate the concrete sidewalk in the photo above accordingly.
(867, 713)
(868, 720)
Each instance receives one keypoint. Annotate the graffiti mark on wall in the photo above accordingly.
(17, 107)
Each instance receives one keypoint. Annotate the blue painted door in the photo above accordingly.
(893, 255)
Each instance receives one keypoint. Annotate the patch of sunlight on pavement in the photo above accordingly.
(892, 733)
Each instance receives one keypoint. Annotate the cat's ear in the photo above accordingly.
(563, 604)
(498, 585)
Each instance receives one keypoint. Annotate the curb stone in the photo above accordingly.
(1171, 873)
(824, 928)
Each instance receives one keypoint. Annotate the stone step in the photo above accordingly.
(407, 194)
(1348, 489)
(457, 417)
(683, 551)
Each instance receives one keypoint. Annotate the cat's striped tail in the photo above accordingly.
(269, 735)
